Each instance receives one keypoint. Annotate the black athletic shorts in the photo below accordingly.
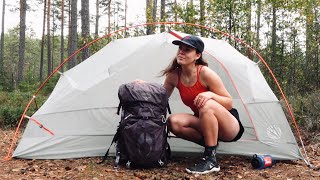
(235, 113)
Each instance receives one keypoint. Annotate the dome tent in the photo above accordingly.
(81, 111)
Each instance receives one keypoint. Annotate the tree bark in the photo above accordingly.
(125, 17)
(85, 27)
(22, 39)
(248, 28)
(163, 14)
(62, 35)
(42, 40)
(49, 40)
(149, 15)
(52, 36)
(73, 35)
(202, 18)
(2, 37)
(274, 35)
(109, 17)
(96, 32)
(230, 21)
(258, 24)
(175, 11)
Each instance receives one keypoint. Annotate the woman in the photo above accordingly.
(203, 91)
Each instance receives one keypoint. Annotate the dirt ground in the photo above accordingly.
(232, 167)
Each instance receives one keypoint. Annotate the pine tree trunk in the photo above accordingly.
(109, 17)
(202, 18)
(317, 43)
(42, 40)
(73, 35)
(85, 27)
(22, 39)
(293, 64)
(62, 35)
(149, 15)
(49, 65)
(230, 21)
(154, 15)
(125, 17)
(52, 37)
(274, 36)
(258, 24)
(163, 14)
(248, 28)
(2, 37)
(281, 64)
(96, 32)
(175, 11)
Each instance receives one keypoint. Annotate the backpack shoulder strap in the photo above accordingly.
(168, 107)
(119, 107)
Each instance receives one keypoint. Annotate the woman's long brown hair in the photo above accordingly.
(174, 65)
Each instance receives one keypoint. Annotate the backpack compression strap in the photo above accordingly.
(115, 138)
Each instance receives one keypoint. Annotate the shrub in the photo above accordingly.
(13, 105)
(306, 110)
(10, 116)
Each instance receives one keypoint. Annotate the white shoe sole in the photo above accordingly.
(204, 172)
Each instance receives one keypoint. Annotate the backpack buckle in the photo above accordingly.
(160, 162)
(164, 120)
(128, 164)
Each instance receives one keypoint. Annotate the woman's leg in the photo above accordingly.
(185, 126)
(217, 122)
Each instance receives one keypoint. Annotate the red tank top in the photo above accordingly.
(188, 94)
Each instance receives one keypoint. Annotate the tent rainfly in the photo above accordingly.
(80, 114)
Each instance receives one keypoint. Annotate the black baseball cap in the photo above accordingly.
(192, 41)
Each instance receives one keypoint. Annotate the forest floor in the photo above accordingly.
(232, 167)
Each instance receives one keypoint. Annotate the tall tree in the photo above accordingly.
(42, 40)
(96, 32)
(2, 36)
(62, 35)
(257, 45)
(109, 16)
(274, 35)
(163, 14)
(73, 35)
(85, 27)
(154, 11)
(175, 11)
(248, 32)
(22, 39)
(202, 18)
(125, 17)
(149, 15)
(49, 65)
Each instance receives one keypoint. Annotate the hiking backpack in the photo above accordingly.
(141, 137)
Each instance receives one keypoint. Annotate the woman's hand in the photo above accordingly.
(202, 98)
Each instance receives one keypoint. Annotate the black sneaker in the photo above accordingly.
(207, 165)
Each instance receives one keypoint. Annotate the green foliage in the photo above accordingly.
(306, 110)
(13, 105)
(10, 116)
(49, 86)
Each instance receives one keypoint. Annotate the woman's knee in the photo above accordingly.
(173, 123)
(211, 107)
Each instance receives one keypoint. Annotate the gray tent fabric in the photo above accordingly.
(81, 110)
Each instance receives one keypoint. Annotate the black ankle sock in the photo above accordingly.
(210, 151)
